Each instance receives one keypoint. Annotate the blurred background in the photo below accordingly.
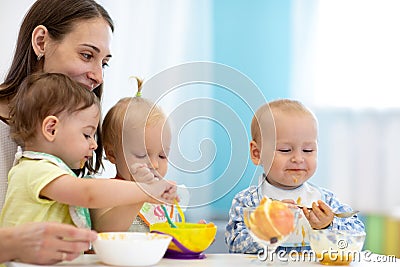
(339, 57)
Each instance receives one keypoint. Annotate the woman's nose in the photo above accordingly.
(96, 76)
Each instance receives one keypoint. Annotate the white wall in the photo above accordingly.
(11, 14)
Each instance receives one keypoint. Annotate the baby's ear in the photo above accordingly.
(110, 154)
(255, 153)
(49, 127)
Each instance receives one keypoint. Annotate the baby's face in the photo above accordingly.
(295, 157)
(150, 146)
(75, 136)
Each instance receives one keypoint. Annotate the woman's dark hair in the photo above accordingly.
(59, 17)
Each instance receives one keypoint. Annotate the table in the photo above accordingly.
(216, 260)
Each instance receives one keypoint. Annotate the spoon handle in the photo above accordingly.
(301, 207)
(171, 223)
(181, 214)
(339, 215)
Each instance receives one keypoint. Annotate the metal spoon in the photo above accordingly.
(340, 214)
(346, 214)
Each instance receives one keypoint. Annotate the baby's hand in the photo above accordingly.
(141, 173)
(321, 215)
(290, 202)
(161, 191)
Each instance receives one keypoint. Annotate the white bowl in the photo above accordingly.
(131, 249)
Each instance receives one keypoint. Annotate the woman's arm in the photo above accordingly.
(43, 242)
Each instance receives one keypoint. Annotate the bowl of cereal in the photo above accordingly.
(337, 247)
(131, 249)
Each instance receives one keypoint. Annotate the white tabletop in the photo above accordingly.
(218, 260)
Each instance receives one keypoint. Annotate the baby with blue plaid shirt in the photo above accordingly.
(284, 141)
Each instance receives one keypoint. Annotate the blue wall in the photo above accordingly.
(253, 37)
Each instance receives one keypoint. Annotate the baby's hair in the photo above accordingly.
(133, 112)
(139, 86)
(45, 94)
(276, 106)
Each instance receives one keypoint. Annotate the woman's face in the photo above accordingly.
(82, 54)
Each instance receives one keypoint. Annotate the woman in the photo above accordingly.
(66, 36)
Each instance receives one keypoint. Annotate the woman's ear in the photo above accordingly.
(39, 35)
(49, 127)
(255, 153)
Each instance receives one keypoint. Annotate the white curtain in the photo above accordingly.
(359, 157)
(346, 68)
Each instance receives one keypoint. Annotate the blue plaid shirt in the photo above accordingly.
(237, 236)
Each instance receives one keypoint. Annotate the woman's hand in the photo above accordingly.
(44, 242)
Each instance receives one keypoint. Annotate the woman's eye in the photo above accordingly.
(163, 157)
(87, 136)
(87, 56)
(105, 65)
(140, 156)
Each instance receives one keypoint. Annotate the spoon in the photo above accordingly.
(181, 214)
(171, 223)
(346, 214)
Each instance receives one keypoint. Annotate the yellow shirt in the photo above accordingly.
(23, 202)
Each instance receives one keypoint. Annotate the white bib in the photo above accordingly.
(304, 195)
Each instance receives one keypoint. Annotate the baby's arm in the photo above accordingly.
(104, 220)
(105, 193)
(237, 236)
(351, 223)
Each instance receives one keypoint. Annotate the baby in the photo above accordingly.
(137, 139)
(294, 160)
(55, 119)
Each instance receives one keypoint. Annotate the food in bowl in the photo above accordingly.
(131, 249)
(337, 247)
(272, 219)
(189, 240)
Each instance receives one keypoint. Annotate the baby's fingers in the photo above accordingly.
(136, 166)
(141, 173)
